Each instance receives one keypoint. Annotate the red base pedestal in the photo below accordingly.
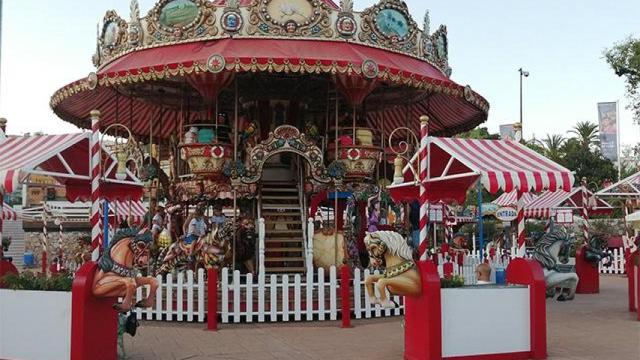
(422, 327)
(588, 274)
(94, 322)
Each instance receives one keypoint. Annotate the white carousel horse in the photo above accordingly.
(400, 276)
(546, 252)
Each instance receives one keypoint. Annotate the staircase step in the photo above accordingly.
(276, 214)
(279, 189)
(285, 259)
(281, 249)
(283, 222)
(280, 197)
(287, 231)
(284, 269)
(280, 206)
(290, 240)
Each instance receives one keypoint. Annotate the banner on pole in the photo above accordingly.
(508, 132)
(608, 120)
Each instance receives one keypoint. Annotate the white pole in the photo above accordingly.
(618, 137)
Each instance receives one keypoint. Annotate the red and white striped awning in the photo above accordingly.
(628, 187)
(549, 202)
(122, 210)
(8, 213)
(455, 164)
(511, 198)
(66, 158)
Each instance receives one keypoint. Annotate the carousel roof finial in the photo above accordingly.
(346, 5)
(427, 23)
(135, 11)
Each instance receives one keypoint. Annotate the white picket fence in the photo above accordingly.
(314, 296)
(178, 298)
(617, 265)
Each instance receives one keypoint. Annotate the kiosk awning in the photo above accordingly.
(455, 164)
(65, 158)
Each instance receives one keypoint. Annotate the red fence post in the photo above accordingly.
(345, 295)
(631, 280)
(212, 299)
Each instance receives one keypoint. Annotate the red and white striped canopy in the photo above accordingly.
(8, 213)
(64, 157)
(121, 210)
(550, 201)
(455, 164)
(511, 198)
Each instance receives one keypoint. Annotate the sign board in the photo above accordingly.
(564, 216)
(506, 214)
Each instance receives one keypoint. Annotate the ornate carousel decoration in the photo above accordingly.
(175, 20)
(308, 18)
(390, 25)
(113, 36)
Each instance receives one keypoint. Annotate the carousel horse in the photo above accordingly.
(116, 276)
(547, 253)
(595, 251)
(499, 242)
(459, 243)
(400, 276)
(215, 249)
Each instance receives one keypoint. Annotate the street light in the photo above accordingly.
(523, 73)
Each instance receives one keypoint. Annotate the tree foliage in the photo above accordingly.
(479, 133)
(624, 58)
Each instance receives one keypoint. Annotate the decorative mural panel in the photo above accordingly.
(308, 18)
(113, 34)
(389, 24)
(174, 20)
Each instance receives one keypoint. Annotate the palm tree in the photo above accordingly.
(586, 133)
(552, 146)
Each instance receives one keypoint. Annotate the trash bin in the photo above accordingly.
(29, 260)
(500, 276)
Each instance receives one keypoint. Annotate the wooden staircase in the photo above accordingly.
(281, 209)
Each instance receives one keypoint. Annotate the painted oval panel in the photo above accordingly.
(111, 33)
(392, 23)
(178, 13)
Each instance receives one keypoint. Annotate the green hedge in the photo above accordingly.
(30, 281)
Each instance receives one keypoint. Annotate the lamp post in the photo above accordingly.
(523, 73)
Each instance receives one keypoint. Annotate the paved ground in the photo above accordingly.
(590, 327)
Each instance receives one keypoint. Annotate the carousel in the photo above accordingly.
(281, 117)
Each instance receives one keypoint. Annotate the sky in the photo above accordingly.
(560, 43)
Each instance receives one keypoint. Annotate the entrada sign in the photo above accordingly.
(506, 214)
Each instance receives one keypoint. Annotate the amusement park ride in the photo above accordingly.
(279, 112)
(273, 109)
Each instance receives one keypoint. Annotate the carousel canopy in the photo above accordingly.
(455, 164)
(550, 201)
(511, 198)
(66, 159)
(169, 67)
(8, 213)
(627, 187)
